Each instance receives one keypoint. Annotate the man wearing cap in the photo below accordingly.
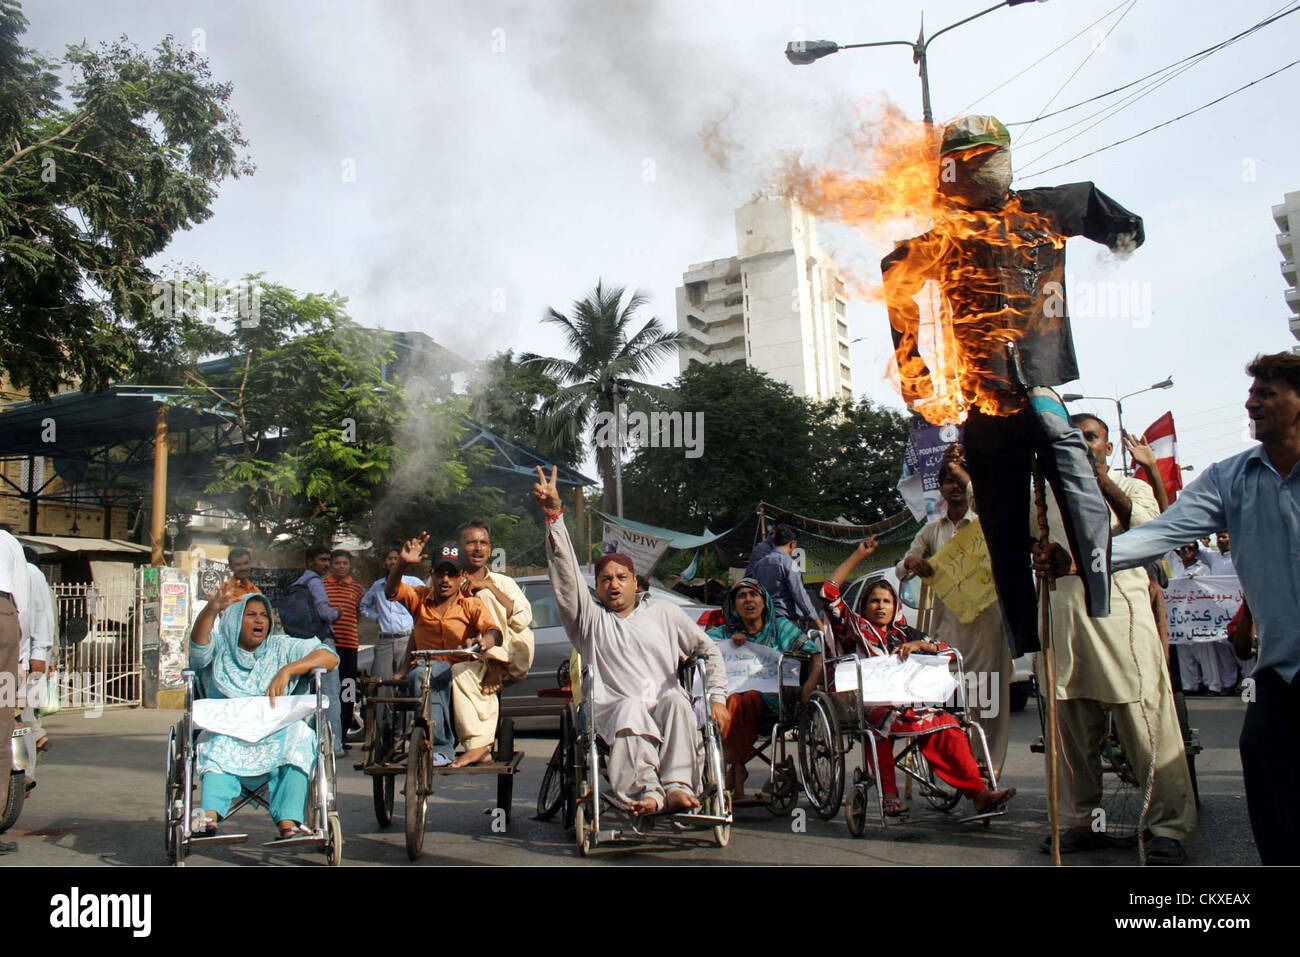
(996, 258)
(634, 649)
(443, 617)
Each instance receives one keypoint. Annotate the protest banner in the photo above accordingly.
(1199, 609)
(920, 680)
(644, 550)
(963, 577)
(753, 667)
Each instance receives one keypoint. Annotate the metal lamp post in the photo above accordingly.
(1119, 409)
(804, 52)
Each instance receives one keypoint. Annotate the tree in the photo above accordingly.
(608, 357)
(857, 451)
(756, 436)
(91, 186)
(321, 441)
(506, 395)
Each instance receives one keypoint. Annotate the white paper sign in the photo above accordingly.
(252, 719)
(753, 667)
(920, 680)
(1200, 609)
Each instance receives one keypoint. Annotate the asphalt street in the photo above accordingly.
(100, 796)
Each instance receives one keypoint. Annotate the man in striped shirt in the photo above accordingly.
(345, 597)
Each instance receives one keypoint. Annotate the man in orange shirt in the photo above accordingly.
(345, 596)
(241, 570)
(443, 618)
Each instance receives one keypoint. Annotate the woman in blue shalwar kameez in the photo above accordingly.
(243, 659)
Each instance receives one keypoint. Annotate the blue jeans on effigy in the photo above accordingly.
(439, 713)
(332, 687)
(999, 456)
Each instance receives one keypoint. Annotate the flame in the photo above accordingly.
(947, 303)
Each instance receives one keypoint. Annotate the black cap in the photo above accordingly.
(448, 554)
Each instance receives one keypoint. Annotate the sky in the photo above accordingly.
(456, 168)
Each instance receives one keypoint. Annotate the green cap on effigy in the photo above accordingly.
(967, 132)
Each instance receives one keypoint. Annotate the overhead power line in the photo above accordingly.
(1164, 69)
(1181, 116)
(1055, 49)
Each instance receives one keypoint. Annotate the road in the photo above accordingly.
(100, 802)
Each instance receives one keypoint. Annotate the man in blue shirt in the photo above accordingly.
(777, 572)
(1256, 496)
(394, 621)
(318, 565)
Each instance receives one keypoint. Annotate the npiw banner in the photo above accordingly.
(644, 550)
(1199, 609)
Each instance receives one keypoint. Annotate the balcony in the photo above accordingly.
(1288, 271)
(1295, 326)
(1284, 244)
(1293, 300)
(1280, 217)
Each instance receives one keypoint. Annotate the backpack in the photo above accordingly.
(298, 614)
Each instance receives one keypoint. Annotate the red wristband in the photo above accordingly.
(551, 518)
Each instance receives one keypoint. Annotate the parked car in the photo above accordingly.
(909, 593)
(551, 650)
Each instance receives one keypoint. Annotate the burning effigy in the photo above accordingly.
(980, 328)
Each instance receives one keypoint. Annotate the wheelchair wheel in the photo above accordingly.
(820, 759)
(550, 797)
(784, 790)
(385, 790)
(855, 811)
(721, 807)
(417, 772)
(940, 795)
(581, 836)
(334, 847)
(174, 808)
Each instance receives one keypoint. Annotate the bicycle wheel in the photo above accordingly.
(417, 771)
(550, 796)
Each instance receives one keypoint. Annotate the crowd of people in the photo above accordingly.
(1117, 668)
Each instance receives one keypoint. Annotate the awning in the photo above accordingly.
(56, 544)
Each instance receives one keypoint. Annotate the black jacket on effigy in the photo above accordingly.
(1025, 301)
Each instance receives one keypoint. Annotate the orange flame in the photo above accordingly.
(947, 302)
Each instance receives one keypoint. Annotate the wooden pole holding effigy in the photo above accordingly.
(1045, 586)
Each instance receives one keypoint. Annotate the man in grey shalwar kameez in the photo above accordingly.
(642, 712)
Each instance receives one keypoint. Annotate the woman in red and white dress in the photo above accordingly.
(876, 629)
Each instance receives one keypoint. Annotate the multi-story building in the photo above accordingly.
(779, 305)
(1287, 217)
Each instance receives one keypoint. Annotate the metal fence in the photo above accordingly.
(98, 649)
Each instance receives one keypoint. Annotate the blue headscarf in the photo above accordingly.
(779, 633)
(229, 671)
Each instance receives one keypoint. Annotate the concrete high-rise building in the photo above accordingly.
(1287, 217)
(778, 305)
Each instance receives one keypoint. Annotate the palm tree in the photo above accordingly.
(608, 369)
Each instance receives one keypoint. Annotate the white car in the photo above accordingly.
(909, 593)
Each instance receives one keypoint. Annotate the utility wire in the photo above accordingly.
(1182, 116)
(1164, 69)
(1091, 53)
(1128, 101)
(1055, 49)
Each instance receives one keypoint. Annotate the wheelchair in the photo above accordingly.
(851, 715)
(401, 743)
(321, 813)
(819, 773)
(599, 819)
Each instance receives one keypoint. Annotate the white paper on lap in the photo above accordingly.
(921, 679)
(753, 667)
(252, 719)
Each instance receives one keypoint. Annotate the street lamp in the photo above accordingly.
(804, 52)
(1167, 383)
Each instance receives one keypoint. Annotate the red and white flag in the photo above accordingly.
(1163, 440)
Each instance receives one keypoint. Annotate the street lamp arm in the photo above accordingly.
(882, 43)
(973, 16)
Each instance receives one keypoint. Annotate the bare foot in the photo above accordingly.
(679, 799)
(647, 805)
(739, 774)
(988, 800)
(473, 756)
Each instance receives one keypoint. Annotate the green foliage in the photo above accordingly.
(94, 182)
(764, 443)
(610, 359)
(507, 395)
